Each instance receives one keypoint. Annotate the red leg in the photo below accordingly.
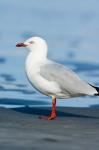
(53, 112)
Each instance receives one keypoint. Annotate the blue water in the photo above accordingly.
(71, 29)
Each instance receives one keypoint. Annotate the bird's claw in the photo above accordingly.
(52, 117)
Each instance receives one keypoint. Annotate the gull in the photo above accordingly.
(50, 78)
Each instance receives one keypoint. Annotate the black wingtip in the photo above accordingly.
(97, 89)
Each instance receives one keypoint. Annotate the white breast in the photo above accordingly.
(37, 81)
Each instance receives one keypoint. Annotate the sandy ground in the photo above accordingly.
(74, 129)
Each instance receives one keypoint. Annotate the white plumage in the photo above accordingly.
(51, 78)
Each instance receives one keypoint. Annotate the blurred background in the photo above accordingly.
(71, 28)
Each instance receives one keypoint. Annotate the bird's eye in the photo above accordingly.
(31, 42)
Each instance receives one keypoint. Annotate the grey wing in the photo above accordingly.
(67, 80)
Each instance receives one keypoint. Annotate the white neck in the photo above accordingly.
(36, 56)
(38, 52)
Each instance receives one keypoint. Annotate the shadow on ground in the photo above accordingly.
(33, 107)
(67, 112)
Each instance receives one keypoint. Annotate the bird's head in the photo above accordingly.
(33, 43)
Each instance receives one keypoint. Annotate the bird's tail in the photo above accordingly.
(97, 89)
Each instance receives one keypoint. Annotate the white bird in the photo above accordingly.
(51, 78)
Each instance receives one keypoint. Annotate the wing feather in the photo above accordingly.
(67, 80)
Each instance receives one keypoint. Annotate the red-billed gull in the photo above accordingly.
(51, 78)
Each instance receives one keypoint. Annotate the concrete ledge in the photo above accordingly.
(74, 129)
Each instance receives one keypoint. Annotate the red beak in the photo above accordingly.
(21, 45)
